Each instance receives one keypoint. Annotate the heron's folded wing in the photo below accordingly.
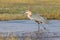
(44, 20)
(36, 17)
(40, 18)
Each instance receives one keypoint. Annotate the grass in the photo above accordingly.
(14, 11)
(28, 1)
(21, 16)
(12, 16)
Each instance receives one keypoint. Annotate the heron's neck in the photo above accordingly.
(30, 15)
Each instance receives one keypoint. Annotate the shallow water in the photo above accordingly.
(25, 26)
(28, 26)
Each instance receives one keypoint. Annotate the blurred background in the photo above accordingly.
(14, 9)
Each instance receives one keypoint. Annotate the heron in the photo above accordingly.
(37, 18)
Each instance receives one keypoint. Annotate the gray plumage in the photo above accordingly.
(39, 18)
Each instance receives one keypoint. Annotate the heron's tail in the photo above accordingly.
(48, 22)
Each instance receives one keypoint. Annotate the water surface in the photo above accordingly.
(25, 26)
(28, 26)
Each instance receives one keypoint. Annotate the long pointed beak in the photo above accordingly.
(25, 12)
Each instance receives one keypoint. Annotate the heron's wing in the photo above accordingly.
(36, 17)
(44, 20)
(39, 18)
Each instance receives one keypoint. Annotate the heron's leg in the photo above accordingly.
(38, 27)
(44, 27)
(38, 31)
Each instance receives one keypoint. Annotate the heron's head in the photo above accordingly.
(28, 12)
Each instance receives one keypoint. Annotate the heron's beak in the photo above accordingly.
(26, 12)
